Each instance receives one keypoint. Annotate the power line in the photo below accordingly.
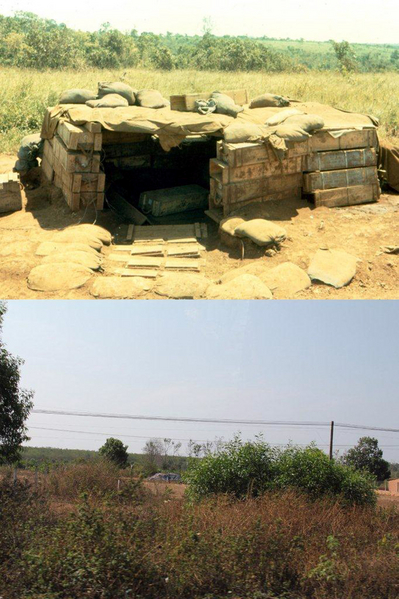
(213, 420)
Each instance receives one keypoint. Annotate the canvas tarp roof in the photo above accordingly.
(172, 126)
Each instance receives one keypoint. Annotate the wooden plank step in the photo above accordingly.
(340, 159)
(144, 262)
(346, 196)
(340, 178)
(181, 264)
(131, 272)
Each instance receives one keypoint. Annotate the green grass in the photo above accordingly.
(25, 94)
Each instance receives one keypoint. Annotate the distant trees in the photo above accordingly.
(114, 451)
(160, 455)
(15, 403)
(345, 55)
(367, 456)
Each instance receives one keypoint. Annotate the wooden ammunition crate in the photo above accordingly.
(186, 102)
(224, 173)
(346, 196)
(235, 193)
(75, 137)
(10, 193)
(217, 202)
(75, 161)
(340, 159)
(340, 178)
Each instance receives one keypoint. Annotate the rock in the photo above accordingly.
(228, 225)
(72, 235)
(50, 247)
(182, 285)
(95, 231)
(92, 261)
(58, 277)
(254, 268)
(120, 287)
(261, 231)
(270, 253)
(242, 287)
(333, 267)
(285, 279)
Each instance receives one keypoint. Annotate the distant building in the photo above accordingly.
(393, 486)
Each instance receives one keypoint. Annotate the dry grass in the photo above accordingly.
(25, 94)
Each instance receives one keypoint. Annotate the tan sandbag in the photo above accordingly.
(332, 267)
(117, 87)
(76, 96)
(261, 231)
(292, 133)
(74, 236)
(151, 98)
(256, 269)
(285, 280)
(58, 277)
(241, 131)
(226, 105)
(108, 101)
(244, 287)
(281, 116)
(120, 287)
(94, 230)
(228, 225)
(92, 261)
(269, 100)
(176, 285)
(307, 122)
(50, 247)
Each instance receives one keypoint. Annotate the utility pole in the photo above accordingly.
(331, 439)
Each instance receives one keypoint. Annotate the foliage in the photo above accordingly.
(346, 56)
(70, 480)
(248, 469)
(114, 451)
(367, 456)
(278, 545)
(15, 403)
(161, 455)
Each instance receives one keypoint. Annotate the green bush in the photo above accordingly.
(249, 469)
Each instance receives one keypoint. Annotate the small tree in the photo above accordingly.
(367, 456)
(15, 403)
(114, 451)
(345, 55)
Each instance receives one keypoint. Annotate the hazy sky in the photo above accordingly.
(309, 360)
(355, 21)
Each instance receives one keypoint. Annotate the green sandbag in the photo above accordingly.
(76, 96)
(117, 87)
(292, 133)
(226, 105)
(269, 100)
(31, 148)
(307, 122)
(151, 98)
(241, 131)
(108, 101)
(262, 232)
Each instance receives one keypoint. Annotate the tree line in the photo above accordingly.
(28, 41)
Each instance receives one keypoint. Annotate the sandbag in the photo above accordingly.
(243, 287)
(261, 231)
(241, 131)
(57, 277)
(226, 105)
(269, 100)
(285, 280)
(151, 98)
(229, 224)
(51, 247)
(307, 122)
(292, 133)
(108, 101)
(92, 261)
(181, 285)
(332, 267)
(120, 287)
(95, 230)
(74, 236)
(76, 96)
(280, 117)
(117, 87)
(30, 149)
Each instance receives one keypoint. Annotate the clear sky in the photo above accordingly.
(354, 21)
(271, 360)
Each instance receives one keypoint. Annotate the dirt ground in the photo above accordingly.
(359, 230)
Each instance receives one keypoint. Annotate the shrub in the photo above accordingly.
(115, 452)
(70, 480)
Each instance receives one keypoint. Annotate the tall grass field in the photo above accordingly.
(25, 94)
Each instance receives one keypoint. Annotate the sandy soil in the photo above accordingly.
(359, 230)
